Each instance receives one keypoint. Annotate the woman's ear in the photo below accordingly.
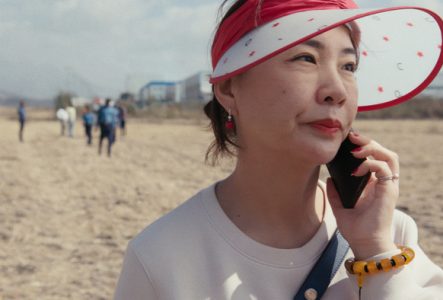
(225, 95)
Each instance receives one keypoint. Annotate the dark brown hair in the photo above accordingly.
(224, 143)
(225, 139)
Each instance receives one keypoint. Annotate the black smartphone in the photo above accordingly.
(340, 168)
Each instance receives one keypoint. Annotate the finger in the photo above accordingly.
(378, 152)
(358, 139)
(378, 167)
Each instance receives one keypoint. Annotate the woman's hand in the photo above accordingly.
(367, 227)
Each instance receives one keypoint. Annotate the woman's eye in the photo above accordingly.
(306, 58)
(351, 67)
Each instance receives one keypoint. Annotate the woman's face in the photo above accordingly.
(301, 102)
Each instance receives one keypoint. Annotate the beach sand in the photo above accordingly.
(67, 214)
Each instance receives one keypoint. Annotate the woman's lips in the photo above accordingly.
(327, 126)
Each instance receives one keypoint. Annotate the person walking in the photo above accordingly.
(107, 120)
(72, 117)
(21, 119)
(88, 121)
(122, 112)
(63, 117)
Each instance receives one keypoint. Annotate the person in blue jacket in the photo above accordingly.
(107, 121)
(22, 119)
(88, 122)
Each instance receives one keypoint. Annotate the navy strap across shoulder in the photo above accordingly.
(325, 268)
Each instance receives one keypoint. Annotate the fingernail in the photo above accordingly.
(355, 171)
(356, 150)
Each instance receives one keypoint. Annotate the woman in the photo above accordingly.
(285, 98)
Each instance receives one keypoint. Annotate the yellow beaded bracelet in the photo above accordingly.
(362, 268)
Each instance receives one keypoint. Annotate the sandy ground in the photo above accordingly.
(66, 214)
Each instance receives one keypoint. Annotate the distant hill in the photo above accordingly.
(10, 99)
(420, 107)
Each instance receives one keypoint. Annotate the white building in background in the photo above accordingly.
(193, 89)
(157, 92)
(80, 101)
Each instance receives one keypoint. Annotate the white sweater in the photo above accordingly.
(195, 252)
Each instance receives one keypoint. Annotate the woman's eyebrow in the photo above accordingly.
(319, 46)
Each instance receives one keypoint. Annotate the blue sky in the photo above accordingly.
(98, 47)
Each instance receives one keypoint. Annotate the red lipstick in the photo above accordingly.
(327, 126)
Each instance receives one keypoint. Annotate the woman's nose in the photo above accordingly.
(332, 89)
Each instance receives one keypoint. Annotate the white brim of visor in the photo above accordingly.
(400, 49)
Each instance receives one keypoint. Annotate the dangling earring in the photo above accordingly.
(229, 124)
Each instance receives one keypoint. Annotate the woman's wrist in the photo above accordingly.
(369, 249)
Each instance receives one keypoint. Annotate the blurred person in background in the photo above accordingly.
(63, 117)
(122, 112)
(72, 117)
(88, 121)
(107, 121)
(21, 119)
